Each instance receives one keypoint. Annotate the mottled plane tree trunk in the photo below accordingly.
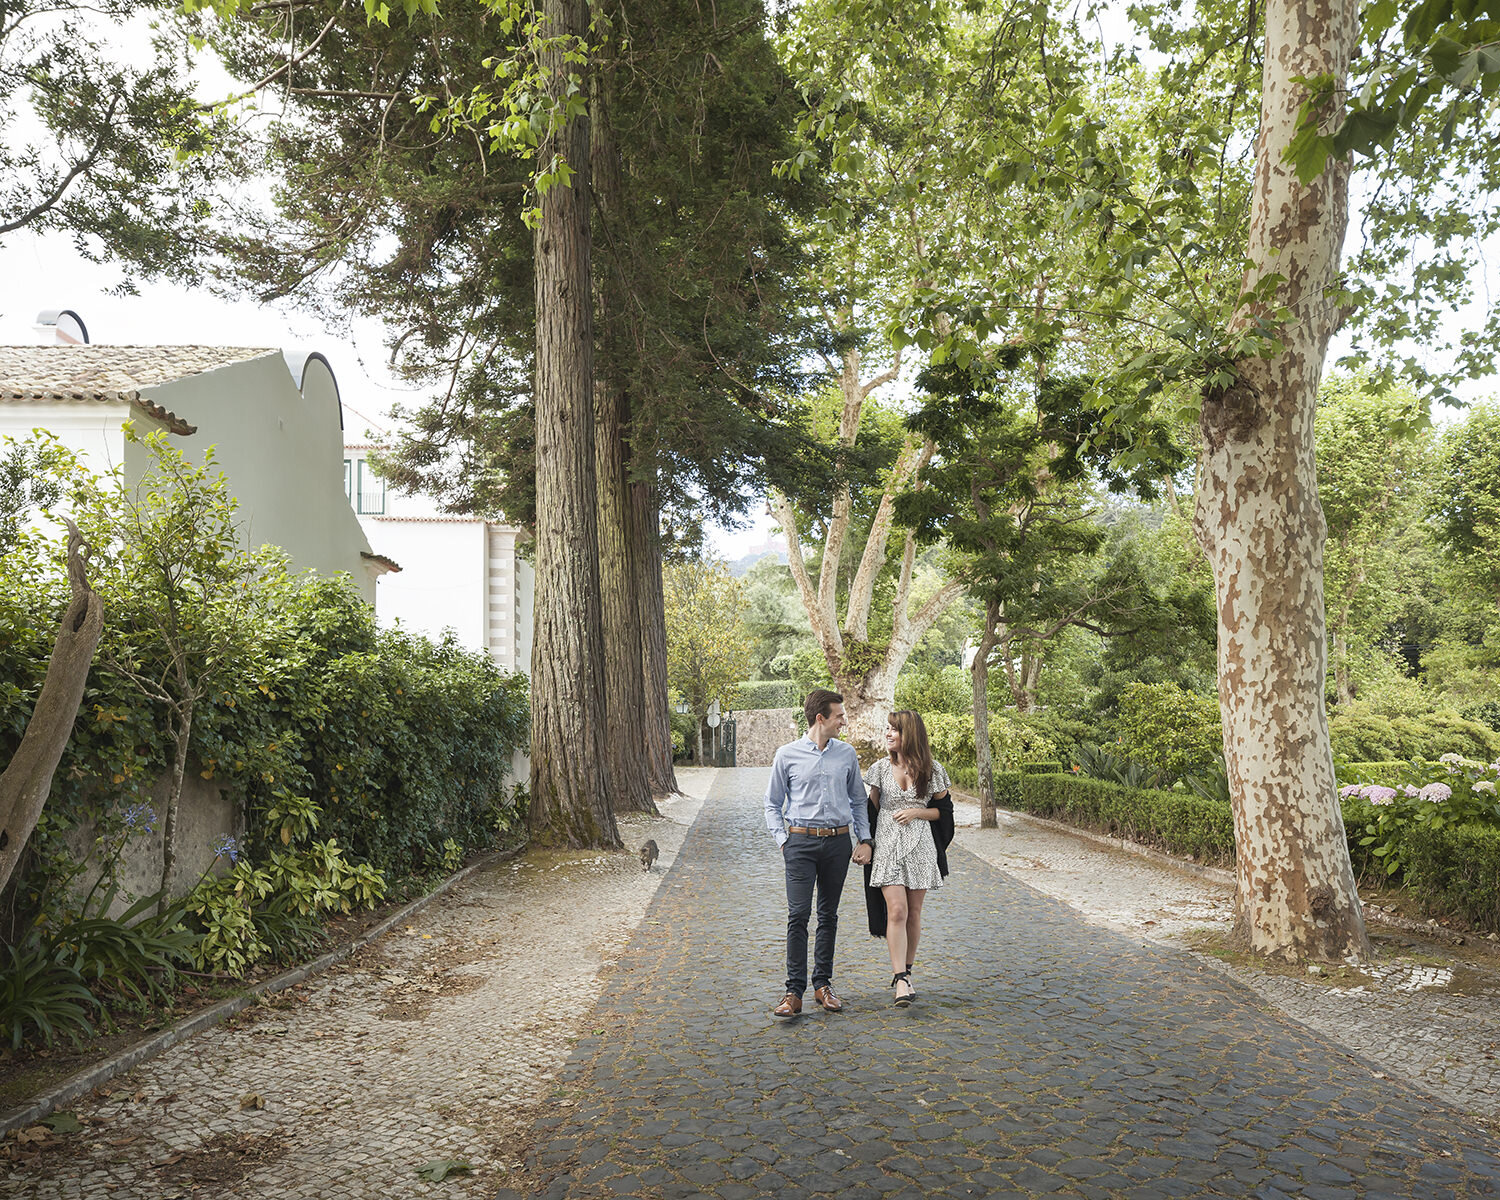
(1260, 523)
(569, 792)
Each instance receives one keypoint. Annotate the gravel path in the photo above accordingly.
(436, 1043)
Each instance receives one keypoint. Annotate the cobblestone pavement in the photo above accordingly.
(1427, 1011)
(1044, 1057)
(437, 1043)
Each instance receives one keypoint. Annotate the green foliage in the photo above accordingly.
(810, 670)
(1174, 821)
(42, 997)
(1012, 741)
(1094, 762)
(393, 748)
(1455, 871)
(929, 691)
(133, 956)
(1363, 736)
(708, 648)
(767, 693)
(1454, 792)
(1169, 728)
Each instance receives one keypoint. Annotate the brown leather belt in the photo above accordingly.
(816, 830)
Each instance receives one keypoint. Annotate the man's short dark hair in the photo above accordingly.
(820, 702)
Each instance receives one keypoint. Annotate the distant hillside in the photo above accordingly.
(741, 566)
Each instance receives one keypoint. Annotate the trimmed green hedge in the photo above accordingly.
(1370, 772)
(1180, 823)
(1452, 871)
(1044, 768)
(767, 693)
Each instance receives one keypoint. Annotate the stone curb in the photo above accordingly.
(1374, 914)
(92, 1077)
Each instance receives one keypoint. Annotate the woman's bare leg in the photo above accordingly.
(897, 914)
(914, 898)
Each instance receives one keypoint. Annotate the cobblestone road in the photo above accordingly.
(1044, 1057)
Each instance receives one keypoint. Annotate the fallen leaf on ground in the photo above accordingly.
(440, 1168)
(253, 1100)
(63, 1122)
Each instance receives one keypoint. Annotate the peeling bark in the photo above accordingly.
(1259, 521)
(27, 780)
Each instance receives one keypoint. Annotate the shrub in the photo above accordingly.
(767, 693)
(1455, 871)
(1453, 792)
(1365, 736)
(1169, 727)
(931, 691)
(1183, 824)
(40, 996)
(1012, 742)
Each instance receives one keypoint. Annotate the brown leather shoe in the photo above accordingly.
(790, 1006)
(825, 997)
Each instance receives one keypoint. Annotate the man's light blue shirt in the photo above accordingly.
(816, 787)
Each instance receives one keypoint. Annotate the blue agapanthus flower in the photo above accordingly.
(139, 818)
(227, 847)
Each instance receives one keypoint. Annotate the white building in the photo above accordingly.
(458, 573)
(275, 422)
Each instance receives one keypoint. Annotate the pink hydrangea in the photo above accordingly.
(1436, 792)
(1349, 789)
(1380, 795)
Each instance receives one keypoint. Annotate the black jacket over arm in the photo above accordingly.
(942, 838)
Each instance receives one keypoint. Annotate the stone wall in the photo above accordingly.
(760, 732)
(204, 816)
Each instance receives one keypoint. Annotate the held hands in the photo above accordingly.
(861, 854)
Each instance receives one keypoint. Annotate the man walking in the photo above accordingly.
(815, 795)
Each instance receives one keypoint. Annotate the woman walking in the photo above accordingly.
(913, 826)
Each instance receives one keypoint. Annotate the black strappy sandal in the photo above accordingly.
(903, 1001)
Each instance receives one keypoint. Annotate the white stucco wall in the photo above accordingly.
(282, 451)
(441, 582)
(93, 431)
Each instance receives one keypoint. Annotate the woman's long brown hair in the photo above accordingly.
(915, 752)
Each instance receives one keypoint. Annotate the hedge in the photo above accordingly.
(1452, 872)
(1380, 771)
(1044, 768)
(767, 693)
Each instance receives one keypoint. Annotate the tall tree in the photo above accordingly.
(1004, 492)
(569, 746)
(1373, 456)
(1260, 523)
(698, 331)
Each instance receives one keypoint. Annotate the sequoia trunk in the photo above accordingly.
(569, 796)
(1259, 521)
(646, 529)
(624, 684)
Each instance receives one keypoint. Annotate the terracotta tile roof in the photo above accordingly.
(106, 372)
(110, 374)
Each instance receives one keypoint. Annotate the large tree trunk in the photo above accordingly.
(624, 682)
(1259, 521)
(646, 528)
(27, 780)
(569, 792)
(981, 677)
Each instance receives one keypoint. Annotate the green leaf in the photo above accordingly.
(440, 1168)
(63, 1122)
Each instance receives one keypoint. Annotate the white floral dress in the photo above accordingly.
(904, 854)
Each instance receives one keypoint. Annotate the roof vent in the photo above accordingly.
(62, 326)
